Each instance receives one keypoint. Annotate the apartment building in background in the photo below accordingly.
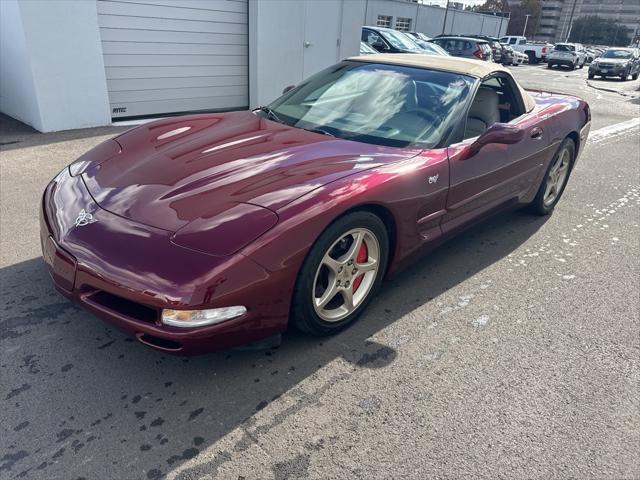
(558, 15)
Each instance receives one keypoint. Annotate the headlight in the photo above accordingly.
(200, 318)
(227, 232)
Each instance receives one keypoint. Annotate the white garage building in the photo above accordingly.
(71, 64)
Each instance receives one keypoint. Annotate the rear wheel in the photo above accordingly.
(634, 76)
(341, 273)
(555, 179)
(549, 65)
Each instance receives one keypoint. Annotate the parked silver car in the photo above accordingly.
(570, 55)
(465, 47)
(617, 62)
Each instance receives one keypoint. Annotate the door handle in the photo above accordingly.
(536, 133)
(307, 44)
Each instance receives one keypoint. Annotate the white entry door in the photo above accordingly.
(321, 47)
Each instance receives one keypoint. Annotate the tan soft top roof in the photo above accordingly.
(465, 66)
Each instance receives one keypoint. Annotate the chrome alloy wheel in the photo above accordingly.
(556, 177)
(346, 274)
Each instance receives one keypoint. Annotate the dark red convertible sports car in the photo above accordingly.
(207, 231)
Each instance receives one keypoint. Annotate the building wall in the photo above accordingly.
(52, 68)
(429, 19)
(556, 18)
(17, 90)
(62, 52)
(276, 38)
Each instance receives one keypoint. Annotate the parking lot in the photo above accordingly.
(511, 352)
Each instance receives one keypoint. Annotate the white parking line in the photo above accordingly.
(612, 131)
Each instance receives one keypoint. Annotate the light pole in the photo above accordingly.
(501, 18)
(526, 20)
(446, 11)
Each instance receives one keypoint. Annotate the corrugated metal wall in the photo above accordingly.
(168, 56)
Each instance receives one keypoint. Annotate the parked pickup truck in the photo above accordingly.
(537, 52)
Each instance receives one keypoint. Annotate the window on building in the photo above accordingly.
(403, 24)
(385, 21)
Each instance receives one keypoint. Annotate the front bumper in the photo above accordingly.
(127, 273)
(607, 71)
(567, 62)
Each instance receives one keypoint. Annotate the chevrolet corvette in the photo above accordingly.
(208, 231)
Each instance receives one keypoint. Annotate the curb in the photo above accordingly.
(611, 90)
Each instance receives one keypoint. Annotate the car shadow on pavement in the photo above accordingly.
(80, 397)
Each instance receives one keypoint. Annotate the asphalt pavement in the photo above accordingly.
(511, 352)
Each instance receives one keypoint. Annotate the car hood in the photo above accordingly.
(174, 171)
(613, 61)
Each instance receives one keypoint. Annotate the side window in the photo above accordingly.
(497, 100)
(372, 38)
(512, 41)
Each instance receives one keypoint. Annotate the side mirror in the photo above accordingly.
(498, 133)
(288, 88)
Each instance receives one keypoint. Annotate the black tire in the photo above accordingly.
(537, 206)
(573, 66)
(549, 65)
(634, 76)
(591, 76)
(532, 57)
(303, 314)
(624, 76)
(582, 65)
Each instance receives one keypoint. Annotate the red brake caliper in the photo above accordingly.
(363, 255)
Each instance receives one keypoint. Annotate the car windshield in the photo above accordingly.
(373, 103)
(399, 40)
(616, 54)
(565, 48)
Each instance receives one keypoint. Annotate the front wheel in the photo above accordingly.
(555, 179)
(591, 76)
(341, 274)
(634, 76)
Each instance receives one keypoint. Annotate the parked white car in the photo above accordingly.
(570, 55)
(536, 52)
(520, 58)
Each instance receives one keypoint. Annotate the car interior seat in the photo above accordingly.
(483, 113)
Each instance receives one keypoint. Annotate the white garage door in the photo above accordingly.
(168, 56)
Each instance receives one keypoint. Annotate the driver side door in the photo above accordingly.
(494, 175)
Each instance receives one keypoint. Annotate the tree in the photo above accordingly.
(596, 30)
(493, 6)
(519, 13)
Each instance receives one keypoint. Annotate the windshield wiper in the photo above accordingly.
(320, 130)
(271, 115)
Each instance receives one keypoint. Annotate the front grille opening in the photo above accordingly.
(125, 307)
(158, 342)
